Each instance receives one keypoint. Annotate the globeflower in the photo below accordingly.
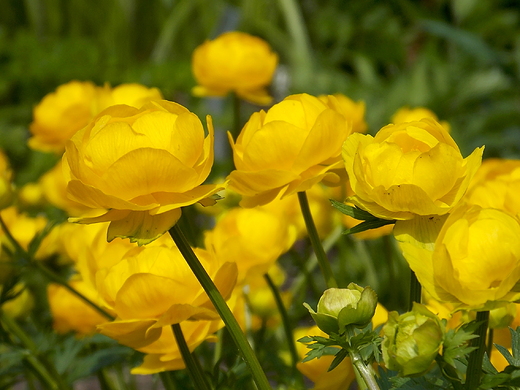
(138, 167)
(234, 62)
(497, 185)
(407, 114)
(408, 169)
(73, 105)
(412, 340)
(353, 111)
(288, 149)
(152, 287)
(470, 258)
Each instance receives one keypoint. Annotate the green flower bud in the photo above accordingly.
(412, 340)
(340, 307)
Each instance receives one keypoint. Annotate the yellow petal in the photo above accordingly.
(141, 227)
(132, 333)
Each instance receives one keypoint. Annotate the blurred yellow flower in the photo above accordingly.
(153, 287)
(20, 304)
(353, 111)
(70, 313)
(253, 238)
(408, 169)
(6, 185)
(407, 114)
(234, 62)
(294, 145)
(138, 167)
(497, 185)
(470, 258)
(73, 105)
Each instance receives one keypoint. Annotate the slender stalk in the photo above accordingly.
(285, 321)
(323, 261)
(474, 371)
(56, 279)
(194, 371)
(358, 362)
(221, 307)
(489, 343)
(415, 290)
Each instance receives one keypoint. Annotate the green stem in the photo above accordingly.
(56, 279)
(474, 371)
(18, 248)
(323, 261)
(359, 364)
(42, 369)
(221, 307)
(285, 321)
(194, 370)
(489, 344)
(415, 290)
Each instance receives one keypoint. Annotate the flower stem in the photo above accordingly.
(221, 307)
(167, 380)
(474, 371)
(415, 290)
(323, 261)
(237, 122)
(56, 279)
(286, 325)
(358, 362)
(194, 370)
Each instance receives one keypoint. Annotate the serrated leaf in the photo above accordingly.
(456, 342)
(492, 381)
(515, 344)
(487, 366)
(340, 356)
(505, 353)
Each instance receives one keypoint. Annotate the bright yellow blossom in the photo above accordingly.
(294, 145)
(138, 167)
(236, 62)
(408, 169)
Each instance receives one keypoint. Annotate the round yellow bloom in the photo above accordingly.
(236, 62)
(140, 166)
(72, 106)
(407, 114)
(497, 185)
(408, 169)
(470, 258)
(353, 111)
(153, 287)
(253, 238)
(288, 149)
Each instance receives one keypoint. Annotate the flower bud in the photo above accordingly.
(412, 341)
(340, 307)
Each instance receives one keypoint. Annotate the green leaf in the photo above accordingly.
(367, 225)
(456, 342)
(340, 356)
(353, 212)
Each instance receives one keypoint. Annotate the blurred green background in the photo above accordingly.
(460, 58)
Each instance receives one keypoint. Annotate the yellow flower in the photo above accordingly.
(408, 169)
(153, 287)
(164, 355)
(353, 111)
(140, 166)
(237, 62)
(407, 114)
(6, 185)
(470, 258)
(288, 149)
(20, 304)
(497, 185)
(70, 313)
(253, 238)
(72, 106)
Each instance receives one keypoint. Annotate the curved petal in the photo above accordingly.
(143, 228)
(132, 333)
